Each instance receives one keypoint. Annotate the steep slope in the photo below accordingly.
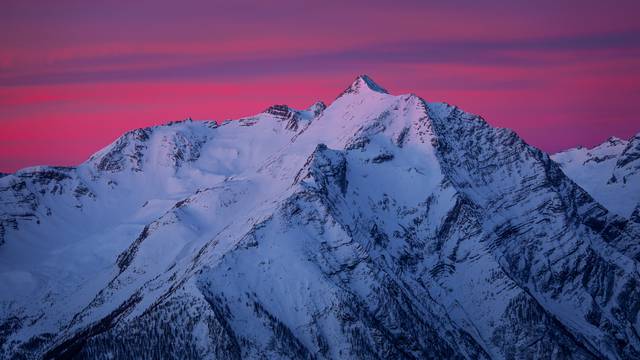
(380, 226)
(610, 172)
(63, 228)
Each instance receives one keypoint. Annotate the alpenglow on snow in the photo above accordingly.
(377, 227)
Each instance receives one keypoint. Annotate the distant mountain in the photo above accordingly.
(610, 172)
(379, 226)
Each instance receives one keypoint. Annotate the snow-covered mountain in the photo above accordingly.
(379, 226)
(610, 172)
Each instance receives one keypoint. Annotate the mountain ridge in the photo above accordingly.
(378, 226)
(610, 171)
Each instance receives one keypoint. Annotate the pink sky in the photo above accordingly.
(74, 75)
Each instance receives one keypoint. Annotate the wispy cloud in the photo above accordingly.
(90, 70)
(163, 66)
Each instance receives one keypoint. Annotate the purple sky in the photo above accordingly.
(76, 74)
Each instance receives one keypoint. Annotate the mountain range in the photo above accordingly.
(377, 227)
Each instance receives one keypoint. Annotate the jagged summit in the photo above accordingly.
(610, 172)
(610, 142)
(363, 83)
(284, 111)
(615, 140)
(378, 227)
(280, 110)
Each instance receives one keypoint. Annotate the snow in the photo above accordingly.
(596, 170)
(317, 221)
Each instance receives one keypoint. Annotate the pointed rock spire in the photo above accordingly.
(361, 84)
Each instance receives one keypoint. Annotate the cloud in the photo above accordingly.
(172, 65)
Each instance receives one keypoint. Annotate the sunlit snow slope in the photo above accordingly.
(610, 172)
(379, 226)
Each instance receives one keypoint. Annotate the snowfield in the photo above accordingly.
(379, 226)
(610, 172)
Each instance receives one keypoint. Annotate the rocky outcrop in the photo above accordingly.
(378, 227)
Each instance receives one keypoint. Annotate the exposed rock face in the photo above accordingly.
(378, 227)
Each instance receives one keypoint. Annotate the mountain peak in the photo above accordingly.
(363, 83)
(614, 140)
(280, 110)
(393, 212)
